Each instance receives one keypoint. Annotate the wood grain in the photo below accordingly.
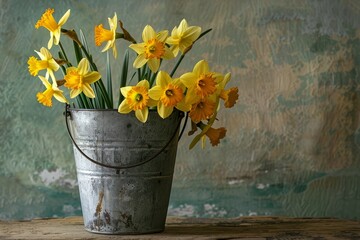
(193, 228)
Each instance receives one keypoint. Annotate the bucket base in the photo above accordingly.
(125, 233)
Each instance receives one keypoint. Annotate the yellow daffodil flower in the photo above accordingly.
(102, 35)
(202, 110)
(201, 83)
(152, 49)
(230, 96)
(79, 79)
(168, 93)
(47, 21)
(183, 37)
(137, 99)
(46, 62)
(214, 135)
(51, 91)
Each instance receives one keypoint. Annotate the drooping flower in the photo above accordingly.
(137, 99)
(47, 21)
(214, 135)
(202, 110)
(167, 92)
(79, 79)
(152, 49)
(183, 37)
(103, 35)
(51, 91)
(230, 96)
(201, 82)
(46, 62)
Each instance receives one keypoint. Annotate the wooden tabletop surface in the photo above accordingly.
(193, 228)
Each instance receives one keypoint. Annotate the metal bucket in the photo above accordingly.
(125, 187)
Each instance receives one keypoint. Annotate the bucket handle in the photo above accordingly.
(68, 114)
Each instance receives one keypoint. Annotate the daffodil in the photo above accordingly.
(168, 93)
(103, 35)
(214, 135)
(79, 79)
(137, 99)
(46, 62)
(202, 110)
(183, 37)
(201, 83)
(230, 96)
(51, 91)
(47, 21)
(152, 49)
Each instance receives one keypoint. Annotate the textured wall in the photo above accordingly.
(293, 147)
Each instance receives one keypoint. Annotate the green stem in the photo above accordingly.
(177, 65)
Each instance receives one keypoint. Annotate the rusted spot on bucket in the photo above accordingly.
(99, 205)
(98, 221)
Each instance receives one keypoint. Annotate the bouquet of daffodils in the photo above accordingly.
(197, 93)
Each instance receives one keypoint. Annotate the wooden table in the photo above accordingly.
(193, 228)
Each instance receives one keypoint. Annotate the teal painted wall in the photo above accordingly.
(293, 142)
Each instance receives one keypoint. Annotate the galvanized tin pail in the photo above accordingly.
(125, 187)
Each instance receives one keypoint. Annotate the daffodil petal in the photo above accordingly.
(189, 79)
(183, 106)
(164, 111)
(45, 82)
(140, 61)
(74, 93)
(51, 40)
(148, 33)
(113, 22)
(124, 107)
(201, 67)
(64, 18)
(156, 92)
(60, 97)
(124, 90)
(168, 54)
(53, 65)
(91, 77)
(51, 73)
(162, 35)
(192, 33)
(107, 46)
(163, 79)
(57, 34)
(88, 91)
(115, 51)
(83, 66)
(144, 83)
(154, 64)
(142, 115)
(139, 48)
(182, 26)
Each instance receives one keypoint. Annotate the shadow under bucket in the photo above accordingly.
(124, 169)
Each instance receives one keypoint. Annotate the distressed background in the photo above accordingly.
(293, 144)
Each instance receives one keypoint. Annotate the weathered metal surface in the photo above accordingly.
(133, 200)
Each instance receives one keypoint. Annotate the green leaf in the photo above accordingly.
(83, 40)
(109, 79)
(124, 74)
(77, 51)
